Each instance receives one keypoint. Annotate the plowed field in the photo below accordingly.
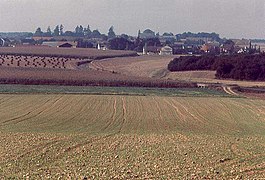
(132, 137)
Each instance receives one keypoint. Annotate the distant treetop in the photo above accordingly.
(148, 31)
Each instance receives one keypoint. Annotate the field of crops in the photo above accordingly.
(62, 136)
(20, 61)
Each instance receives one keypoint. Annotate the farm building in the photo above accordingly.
(102, 47)
(43, 38)
(61, 44)
(166, 50)
(202, 85)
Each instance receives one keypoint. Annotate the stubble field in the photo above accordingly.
(132, 137)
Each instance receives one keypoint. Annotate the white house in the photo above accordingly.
(166, 51)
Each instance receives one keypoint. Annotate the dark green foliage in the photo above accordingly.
(111, 33)
(38, 32)
(239, 67)
(56, 31)
(96, 34)
(213, 36)
(188, 63)
(120, 44)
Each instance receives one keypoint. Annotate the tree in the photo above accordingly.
(29, 35)
(96, 34)
(38, 32)
(56, 31)
(125, 36)
(111, 33)
(120, 44)
(81, 31)
(49, 31)
(69, 33)
(87, 31)
(77, 30)
(61, 30)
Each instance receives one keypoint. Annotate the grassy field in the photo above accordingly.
(139, 91)
(62, 136)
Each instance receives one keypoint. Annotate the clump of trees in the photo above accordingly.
(79, 31)
(213, 35)
(238, 67)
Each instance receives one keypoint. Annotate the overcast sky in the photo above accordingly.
(229, 18)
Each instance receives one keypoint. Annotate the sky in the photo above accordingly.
(229, 18)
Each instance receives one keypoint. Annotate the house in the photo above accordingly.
(166, 51)
(211, 47)
(228, 47)
(149, 50)
(60, 44)
(102, 47)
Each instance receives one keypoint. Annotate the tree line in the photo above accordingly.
(238, 67)
(80, 31)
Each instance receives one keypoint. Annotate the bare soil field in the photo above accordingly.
(88, 53)
(144, 66)
(131, 137)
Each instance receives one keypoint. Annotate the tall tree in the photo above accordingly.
(77, 30)
(38, 32)
(87, 31)
(61, 30)
(111, 33)
(49, 31)
(81, 30)
(56, 31)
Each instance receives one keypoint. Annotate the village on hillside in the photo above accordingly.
(147, 42)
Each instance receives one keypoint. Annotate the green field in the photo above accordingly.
(139, 91)
(64, 136)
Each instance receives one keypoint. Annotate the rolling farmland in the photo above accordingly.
(69, 66)
(150, 131)
(63, 136)
(156, 67)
